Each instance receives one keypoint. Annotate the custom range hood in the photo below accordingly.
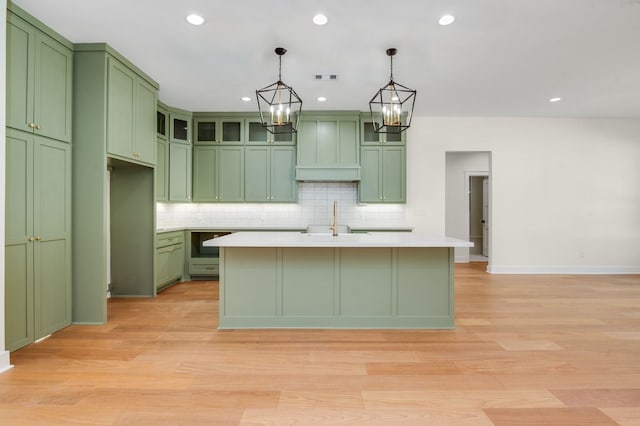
(329, 146)
(328, 174)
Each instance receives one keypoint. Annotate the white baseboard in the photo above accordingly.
(461, 259)
(568, 270)
(5, 363)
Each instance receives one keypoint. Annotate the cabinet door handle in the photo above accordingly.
(32, 125)
(38, 238)
(32, 238)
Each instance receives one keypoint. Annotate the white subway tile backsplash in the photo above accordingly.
(315, 204)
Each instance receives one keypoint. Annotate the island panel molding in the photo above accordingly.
(377, 280)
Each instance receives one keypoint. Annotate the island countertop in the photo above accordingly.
(371, 239)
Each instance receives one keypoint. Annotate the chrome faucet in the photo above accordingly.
(334, 227)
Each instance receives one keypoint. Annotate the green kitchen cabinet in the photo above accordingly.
(328, 147)
(162, 155)
(162, 121)
(257, 134)
(218, 173)
(162, 170)
(113, 203)
(132, 114)
(383, 174)
(180, 129)
(370, 137)
(216, 129)
(180, 172)
(270, 174)
(169, 258)
(37, 238)
(39, 78)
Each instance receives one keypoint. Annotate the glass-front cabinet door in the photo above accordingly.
(370, 137)
(179, 126)
(258, 135)
(219, 130)
(162, 121)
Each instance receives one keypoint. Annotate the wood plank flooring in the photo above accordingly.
(527, 350)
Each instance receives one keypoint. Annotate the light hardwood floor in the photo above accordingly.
(527, 350)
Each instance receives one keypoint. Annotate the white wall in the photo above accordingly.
(456, 196)
(565, 192)
(4, 355)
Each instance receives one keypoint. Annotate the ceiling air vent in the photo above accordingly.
(326, 77)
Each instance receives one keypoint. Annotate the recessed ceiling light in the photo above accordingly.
(320, 19)
(322, 99)
(446, 19)
(246, 99)
(194, 19)
(555, 99)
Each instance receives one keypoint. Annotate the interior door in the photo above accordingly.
(485, 217)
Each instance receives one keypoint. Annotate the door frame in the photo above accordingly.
(467, 207)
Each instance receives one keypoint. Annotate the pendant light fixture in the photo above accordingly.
(392, 106)
(278, 104)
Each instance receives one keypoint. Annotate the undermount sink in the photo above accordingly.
(329, 234)
(314, 230)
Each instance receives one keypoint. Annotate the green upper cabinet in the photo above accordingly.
(180, 155)
(180, 172)
(162, 153)
(162, 122)
(162, 170)
(258, 135)
(132, 114)
(328, 146)
(216, 129)
(39, 80)
(383, 174)
(370, 137)
(270, 174)
(218, 173)
(37, 238)
(180, 126)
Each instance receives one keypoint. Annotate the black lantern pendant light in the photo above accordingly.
(392, 106)
(278, 104)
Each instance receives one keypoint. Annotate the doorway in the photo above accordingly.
(468, 174)
(478, 190)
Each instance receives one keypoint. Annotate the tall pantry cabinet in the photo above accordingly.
(114, 125)
(38, 181)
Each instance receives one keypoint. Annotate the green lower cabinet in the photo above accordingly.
(169, 258)
(204, 266)
(218, 173)
(383, 174)
(179, 172)
(37, 238)
(270, 174)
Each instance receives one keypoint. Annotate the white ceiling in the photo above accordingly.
(500, 57)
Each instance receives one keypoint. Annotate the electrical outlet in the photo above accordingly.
(581, 254)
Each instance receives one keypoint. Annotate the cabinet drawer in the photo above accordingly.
(167, 238)
(204, 267)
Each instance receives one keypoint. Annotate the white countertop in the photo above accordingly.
(372, 239)
(261, 228)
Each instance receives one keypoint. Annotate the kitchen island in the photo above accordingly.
(360, 280)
